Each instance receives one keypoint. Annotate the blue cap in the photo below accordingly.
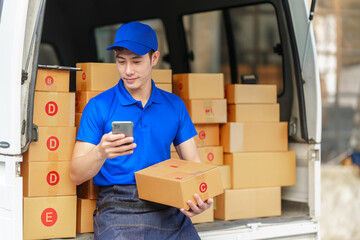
(136, 37)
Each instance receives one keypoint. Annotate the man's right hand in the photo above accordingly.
(114, 145)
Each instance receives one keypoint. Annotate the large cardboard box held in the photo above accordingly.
(207, 110)
(211, 155)
(49, 217)
(261, 169)
(199, 86)
(254, 137)
(253, 112)
(161, 76)
(87, 190)
(84, 220)
(47, 179)
(208, 135)
(206, 216)
(82, 98)
(54, 144)
(250, 93)
(248, 203)
(52, 80)
(173, 182)
(96, 76)
(54, 109)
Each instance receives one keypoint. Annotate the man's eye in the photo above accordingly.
(121, 62)
(136, 61)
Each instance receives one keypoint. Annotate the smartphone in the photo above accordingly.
(124, 127)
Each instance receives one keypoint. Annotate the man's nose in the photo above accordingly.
(129, 69)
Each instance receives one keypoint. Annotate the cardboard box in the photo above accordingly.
(87, 190)
(52, 80)
(84, 220)
(207, 111)
(82, 98)
(253, 112)
(248, 203)
(77, 121)
(165, 86)
(207, 216)
(261, 169)
(211, 155)
(199, 86)
(42, 179)
(49, 217)
(161, 75)
(54, 144)
(226, 176)
(173, 182)
(250, 93)
(96, 76)
(174, 155)
(254, 137)
(54, 109)
(208, 135)
(172, 147)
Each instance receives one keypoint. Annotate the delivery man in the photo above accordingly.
(160, 118)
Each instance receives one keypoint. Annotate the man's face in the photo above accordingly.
(135, 70)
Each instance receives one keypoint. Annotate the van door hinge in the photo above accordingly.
(35, 133)
(292, 127)
(24, 76)
(314, 155)
(17, 169)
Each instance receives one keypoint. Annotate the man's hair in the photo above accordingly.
(122, 49)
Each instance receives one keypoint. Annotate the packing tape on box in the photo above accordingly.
(201, 181)
(209, 111)
(53, 143)
(51, 108)
(53, 178)
(83, 79)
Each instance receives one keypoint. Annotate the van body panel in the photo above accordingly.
(74, 43)
(310, 71)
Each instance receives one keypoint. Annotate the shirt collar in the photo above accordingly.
(126, 98)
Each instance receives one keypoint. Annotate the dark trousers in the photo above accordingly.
(120, 214)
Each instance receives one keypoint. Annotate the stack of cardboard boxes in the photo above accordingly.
(203, 95)
(92, 80)
(256, 149)
(49, 194)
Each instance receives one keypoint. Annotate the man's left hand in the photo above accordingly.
(198, 208)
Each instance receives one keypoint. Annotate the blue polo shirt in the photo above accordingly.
(162, 121)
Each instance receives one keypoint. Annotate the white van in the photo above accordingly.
(272, 39)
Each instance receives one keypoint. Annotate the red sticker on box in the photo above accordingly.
(180, 86)
(52, 143)
(49, 217)
(208, 110)
(203, 187)
(53, 178)
(83, 76)
(210, 156)
(51, 108)
(202, 135)
(49, 80)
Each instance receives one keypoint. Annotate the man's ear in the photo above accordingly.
(155, 58)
